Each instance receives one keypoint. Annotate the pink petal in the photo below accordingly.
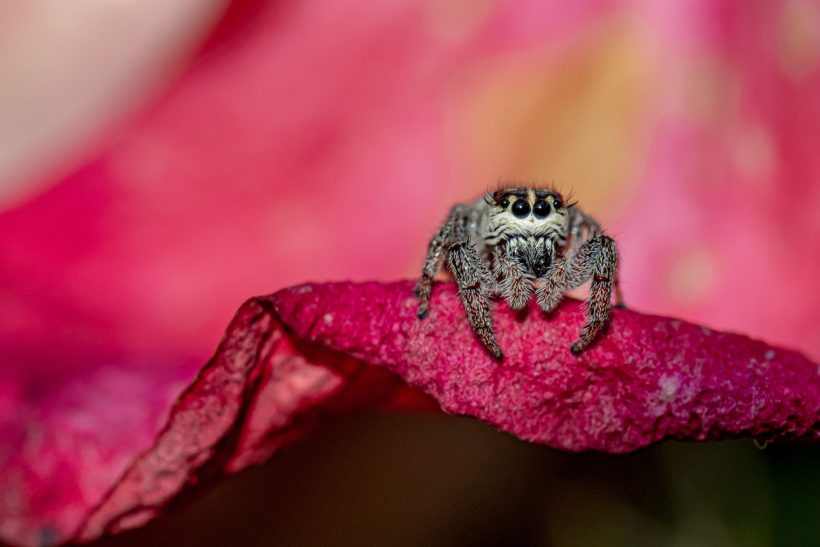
(649, 378)
(290, 359)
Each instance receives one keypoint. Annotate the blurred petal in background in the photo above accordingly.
(161, 162)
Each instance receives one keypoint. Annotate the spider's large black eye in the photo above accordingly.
(521, 208)
(541, 208)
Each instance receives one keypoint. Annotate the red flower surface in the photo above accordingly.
(290, 359)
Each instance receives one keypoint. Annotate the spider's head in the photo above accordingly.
(528, 212)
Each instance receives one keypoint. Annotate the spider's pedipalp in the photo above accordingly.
(551, 290)
(515, 286)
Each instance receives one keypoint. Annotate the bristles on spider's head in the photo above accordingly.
(502, 196)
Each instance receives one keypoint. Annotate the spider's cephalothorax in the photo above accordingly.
(516, 242)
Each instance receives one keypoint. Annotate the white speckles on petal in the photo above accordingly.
(706, 331)
(769, 355)
(669, 388)
(327, 318)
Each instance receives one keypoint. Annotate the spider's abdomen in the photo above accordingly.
(533, 253)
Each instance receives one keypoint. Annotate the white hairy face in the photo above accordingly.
(525, 212)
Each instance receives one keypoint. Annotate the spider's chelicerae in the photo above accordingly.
(518, 241)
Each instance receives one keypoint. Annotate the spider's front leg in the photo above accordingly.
(616, 287)
(470, 275)
(473, 282)
(596, 258)
(435, 251)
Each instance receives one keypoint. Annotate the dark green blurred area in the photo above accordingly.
(419, 480)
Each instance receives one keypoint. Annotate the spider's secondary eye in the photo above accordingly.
(556, 203)
(504, 203)
(541, 208)
(521, 208)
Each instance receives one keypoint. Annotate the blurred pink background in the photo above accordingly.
(161, 162)
(152, 182)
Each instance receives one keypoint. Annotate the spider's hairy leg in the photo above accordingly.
(473, 282)
(435, 251)
(619, 297)
(596, 258)
(515, 286)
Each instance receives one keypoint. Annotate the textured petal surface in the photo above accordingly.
(292, 359)
(649, 378)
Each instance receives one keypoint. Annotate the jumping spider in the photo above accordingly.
(520, 240)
